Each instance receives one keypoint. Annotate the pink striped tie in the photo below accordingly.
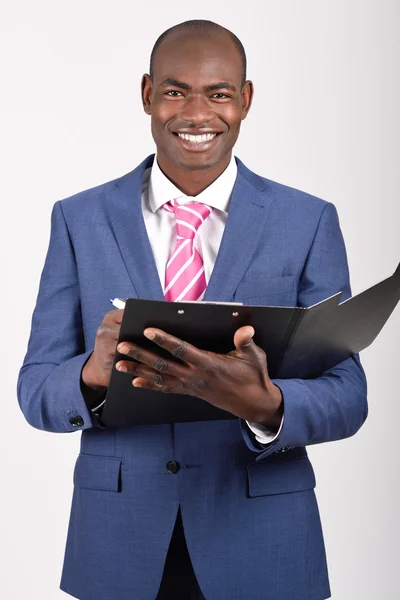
(184, 275)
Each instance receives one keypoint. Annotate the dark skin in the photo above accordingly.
(179, 99)
(196, 89)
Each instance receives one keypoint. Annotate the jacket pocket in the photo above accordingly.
(265, 288)
(280, 477)
(93, 472)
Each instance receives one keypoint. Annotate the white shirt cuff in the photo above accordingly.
(263, 434)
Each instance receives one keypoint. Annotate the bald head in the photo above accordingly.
(196, 87)
(203, 29)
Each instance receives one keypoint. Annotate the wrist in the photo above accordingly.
(89, 378)
(272, 417)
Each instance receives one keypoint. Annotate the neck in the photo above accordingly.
(191, 181)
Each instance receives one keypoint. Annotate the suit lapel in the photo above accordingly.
(248, 209)
(126, 218)
(245, 224)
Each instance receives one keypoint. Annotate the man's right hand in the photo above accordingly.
(96, 373)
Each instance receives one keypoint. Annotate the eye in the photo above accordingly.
(220, 95)
(172, 92)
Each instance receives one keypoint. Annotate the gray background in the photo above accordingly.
(325, 119)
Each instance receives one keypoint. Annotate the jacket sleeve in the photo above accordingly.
(49, 383)
(332, 406)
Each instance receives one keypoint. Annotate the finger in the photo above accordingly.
(144, 372)
(115, 316)
(127, 366)
(177, 347)
(170, 385)
(138, 370)
(243, 339)
(246, 346)
(140, 382)
(108, 333)
(151, 359)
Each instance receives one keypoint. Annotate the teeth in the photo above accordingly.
(198, 139)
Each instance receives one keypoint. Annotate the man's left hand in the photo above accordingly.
(237, 382)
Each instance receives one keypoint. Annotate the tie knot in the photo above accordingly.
(189, 217)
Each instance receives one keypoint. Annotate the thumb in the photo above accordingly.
(243, 338)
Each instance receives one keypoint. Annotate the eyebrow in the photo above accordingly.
(220, 85)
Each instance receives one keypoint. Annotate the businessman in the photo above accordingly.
(221, 510)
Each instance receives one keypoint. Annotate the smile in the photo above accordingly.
(197, 139)
(200, 142)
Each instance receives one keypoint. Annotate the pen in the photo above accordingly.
(117, 302)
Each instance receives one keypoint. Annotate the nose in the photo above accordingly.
(196, 110)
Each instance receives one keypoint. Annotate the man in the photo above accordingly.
(191, 223)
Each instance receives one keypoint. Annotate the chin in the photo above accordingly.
(197, 163)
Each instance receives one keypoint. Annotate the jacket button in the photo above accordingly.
(173, 466)
(76, 421)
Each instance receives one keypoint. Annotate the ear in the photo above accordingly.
(247, 98)
(147, 89)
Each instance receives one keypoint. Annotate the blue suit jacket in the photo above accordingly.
(250, 514)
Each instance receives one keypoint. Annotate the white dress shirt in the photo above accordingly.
(157, 189)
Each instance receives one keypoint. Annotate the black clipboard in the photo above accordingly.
(299, 343)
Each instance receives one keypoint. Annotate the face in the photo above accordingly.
(195, 100)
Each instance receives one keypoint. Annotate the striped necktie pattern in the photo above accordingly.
(184, 274)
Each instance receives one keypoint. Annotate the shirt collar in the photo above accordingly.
(217, 194)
